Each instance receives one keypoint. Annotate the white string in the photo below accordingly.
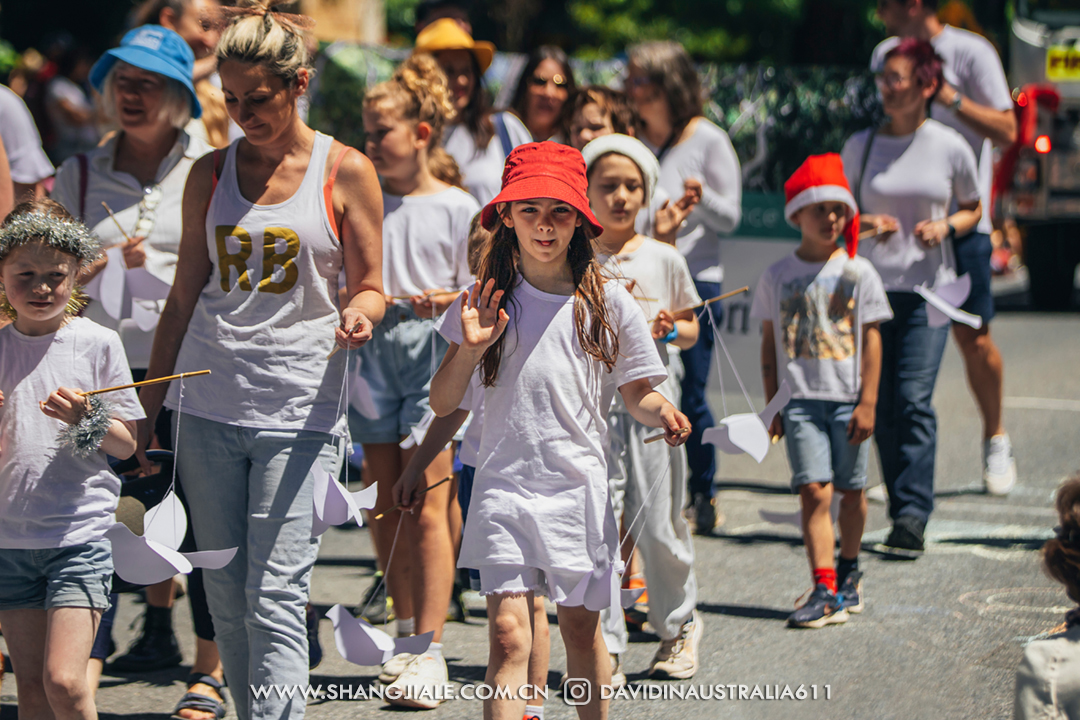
(386, 572)
(723, 346)
(176, 446)
(644, 504)
(716, 358)
(343, 409)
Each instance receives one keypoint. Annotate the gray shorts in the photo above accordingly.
(79, 576)
(397, 363)
(815, 432)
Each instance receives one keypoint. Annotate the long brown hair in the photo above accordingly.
(1061, 555)
(419, 91)
(591, 318)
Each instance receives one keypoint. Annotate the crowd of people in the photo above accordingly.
(491, 278)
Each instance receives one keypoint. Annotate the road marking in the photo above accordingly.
(1036, 403)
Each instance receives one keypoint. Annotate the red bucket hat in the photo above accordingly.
(543, 170)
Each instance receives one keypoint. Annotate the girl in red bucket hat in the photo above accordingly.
(551, 340)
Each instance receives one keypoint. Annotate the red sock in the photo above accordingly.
(826, 576)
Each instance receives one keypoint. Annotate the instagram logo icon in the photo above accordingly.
(577, 691)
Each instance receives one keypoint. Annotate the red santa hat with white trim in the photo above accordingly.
(821, 179)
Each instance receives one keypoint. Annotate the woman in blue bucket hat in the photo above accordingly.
(139, 173)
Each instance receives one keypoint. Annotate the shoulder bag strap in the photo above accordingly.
(504, 135)
(862, 167)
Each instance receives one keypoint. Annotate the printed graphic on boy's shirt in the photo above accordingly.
(817, 316)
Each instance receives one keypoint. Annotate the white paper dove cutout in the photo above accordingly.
(944, 301)
(419, 431)
(334, 505)
(746, 432)
(601, 589)
(362, 644)
(154, 557)
(110, 285)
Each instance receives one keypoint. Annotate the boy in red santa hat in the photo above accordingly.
(819, 310)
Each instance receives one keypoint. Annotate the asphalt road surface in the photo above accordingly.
(940, 637)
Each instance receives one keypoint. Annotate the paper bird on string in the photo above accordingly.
(361, 643)
(419, 432)
(154, 556)
(943, 302)
(334, 505)
(748, 432)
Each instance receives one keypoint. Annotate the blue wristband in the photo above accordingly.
(670, 337)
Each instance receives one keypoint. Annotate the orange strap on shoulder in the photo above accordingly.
(328, 189)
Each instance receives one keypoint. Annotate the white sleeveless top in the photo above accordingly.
(265, 321)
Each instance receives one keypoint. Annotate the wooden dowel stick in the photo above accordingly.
(725, 296)
(418, 494)
(118, 225)
(659, 437)
(355, 327)
(867, 234)
(146, 382)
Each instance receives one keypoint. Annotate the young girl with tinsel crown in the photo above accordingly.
(552, 341)
(57, 494)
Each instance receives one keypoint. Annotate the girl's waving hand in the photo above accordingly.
(482, 321)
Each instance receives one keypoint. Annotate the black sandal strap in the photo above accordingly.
(203, 679)
(200, 703)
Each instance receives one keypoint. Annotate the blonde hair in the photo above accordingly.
(175, 99)
(419, 91)
(261, 38)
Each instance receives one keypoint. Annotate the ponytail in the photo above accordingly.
(418, 88)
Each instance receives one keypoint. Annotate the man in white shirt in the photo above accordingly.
(975, 100)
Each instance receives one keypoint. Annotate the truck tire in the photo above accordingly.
(1052, 251)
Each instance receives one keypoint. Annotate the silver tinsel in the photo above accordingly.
(68, 236)
(85, 437)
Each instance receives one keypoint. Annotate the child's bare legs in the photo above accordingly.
(384, 465)
(852, 522)
(817, 523)
(453, 517)
(586, 656)
(540, 655)
(51, 650)
(431, 551)
(510, 641)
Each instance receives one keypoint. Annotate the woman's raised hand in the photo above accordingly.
(482, 321)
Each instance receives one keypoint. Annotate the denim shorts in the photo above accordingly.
(397, 364)
(78, 576)
(815, 432)
(973, 257)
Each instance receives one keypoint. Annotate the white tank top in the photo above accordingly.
(265, 321)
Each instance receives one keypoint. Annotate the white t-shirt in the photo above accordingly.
(483, 168)
(540, 497)
(912, 177)
(659, 277)
(425, 241)
(812, 307)
(70, 139)
(49, 498)
(22, 143)
(973, 67)
(708, 156)
(129, 201)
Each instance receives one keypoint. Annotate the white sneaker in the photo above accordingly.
(394, 667)
(618, 677)
(999, 466)
(420, 684)
(677, 659)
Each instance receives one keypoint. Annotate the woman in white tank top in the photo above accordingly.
(268, 227)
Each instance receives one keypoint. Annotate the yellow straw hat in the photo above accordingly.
(446, 34)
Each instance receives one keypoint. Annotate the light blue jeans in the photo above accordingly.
(249, 488)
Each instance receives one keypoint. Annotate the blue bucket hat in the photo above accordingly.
(156, 49)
